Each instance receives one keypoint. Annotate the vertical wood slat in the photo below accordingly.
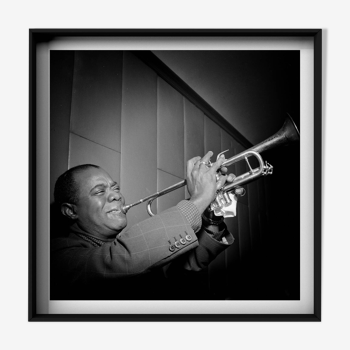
(61, 78)
(194, 131)
(138, 176)
(96, 101)
(268, 200)
(244, 231)
(253, 200)
(212, 138)
(170, 130)
(59, 151)
(262, 210)
(194, 134)
(232, 256)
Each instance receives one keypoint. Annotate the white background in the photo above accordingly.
(17, 18)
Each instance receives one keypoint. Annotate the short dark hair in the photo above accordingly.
(66, 187)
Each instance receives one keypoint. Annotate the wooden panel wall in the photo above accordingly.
(110, 109)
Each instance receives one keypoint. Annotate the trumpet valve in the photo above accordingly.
(227, 198)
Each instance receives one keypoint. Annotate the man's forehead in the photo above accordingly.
(92, 176)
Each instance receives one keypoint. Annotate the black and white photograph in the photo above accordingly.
(174, 175)
(126, 125)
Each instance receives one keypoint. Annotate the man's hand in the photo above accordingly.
(202, 183)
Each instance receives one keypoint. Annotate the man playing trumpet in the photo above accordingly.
(101, 260)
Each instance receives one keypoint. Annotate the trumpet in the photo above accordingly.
(287, 134)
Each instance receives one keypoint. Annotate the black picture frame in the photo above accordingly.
(37, 36)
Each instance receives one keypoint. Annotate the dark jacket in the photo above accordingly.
(134, 265)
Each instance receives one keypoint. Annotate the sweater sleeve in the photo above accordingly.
(193, 216)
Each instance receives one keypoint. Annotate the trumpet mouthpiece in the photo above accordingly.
(125, 209)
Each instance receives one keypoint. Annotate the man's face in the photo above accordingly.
(98, 207)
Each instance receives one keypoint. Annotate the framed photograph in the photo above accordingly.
(134, 216)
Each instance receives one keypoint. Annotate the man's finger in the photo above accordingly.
(223, 170)
(207, 157)
(217, 164)
(221, 182)
(194, 159)
(191, 163)
(231, 177)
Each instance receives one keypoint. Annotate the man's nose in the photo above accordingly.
(114, 196)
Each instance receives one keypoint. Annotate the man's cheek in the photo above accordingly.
(99, 202)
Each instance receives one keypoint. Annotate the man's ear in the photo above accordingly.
(69, 211)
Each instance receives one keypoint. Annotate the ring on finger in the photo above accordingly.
(208, 164)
